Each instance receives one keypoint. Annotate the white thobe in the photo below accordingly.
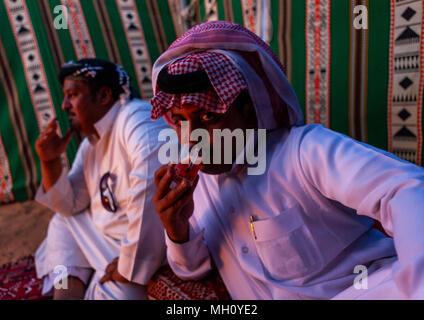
(83, 236)
(312, 211)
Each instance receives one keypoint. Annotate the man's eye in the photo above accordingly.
(209, 116)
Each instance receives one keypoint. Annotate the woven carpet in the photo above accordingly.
(18, 281)
(165, 285)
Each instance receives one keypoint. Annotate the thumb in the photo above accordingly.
(105, 278)
(52, 124)
(67, 137)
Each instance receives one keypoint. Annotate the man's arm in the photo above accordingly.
(62, 193)
(50, 173)
(189, 260)
(49, 147)
(376, 184)
(187, 254)
(143, 247)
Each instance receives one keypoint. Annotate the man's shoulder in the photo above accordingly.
(136, 114)
(83, 146)
(305, 129)
(295, 134)
(312, 133)
(287, 144)
(136, 107)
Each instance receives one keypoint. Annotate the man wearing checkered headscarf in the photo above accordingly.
(105, 239)
(304, 228)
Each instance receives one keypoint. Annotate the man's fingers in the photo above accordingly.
(163, 187)
(52, 124)
(174, 195)
(173, 208)
(185, 199)
(110, 268)
(50, 130)
(105, 278)
(160, 173)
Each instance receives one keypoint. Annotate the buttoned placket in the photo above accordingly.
(229, 181)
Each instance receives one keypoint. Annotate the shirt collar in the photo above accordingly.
(238, 168)
(241, 157)
(104, 125)
(278, 135)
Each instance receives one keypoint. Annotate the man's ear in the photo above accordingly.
(104, 95)
(249, 113)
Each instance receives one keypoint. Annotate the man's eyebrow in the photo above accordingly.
(197, 110)
(69, 89)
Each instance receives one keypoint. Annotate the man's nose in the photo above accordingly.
(65, 104)
(188, 127)
(197, 136)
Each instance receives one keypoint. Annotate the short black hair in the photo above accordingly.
(106, 76)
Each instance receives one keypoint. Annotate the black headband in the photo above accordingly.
(95, 70)
(196, 81)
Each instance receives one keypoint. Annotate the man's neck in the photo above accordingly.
(102, 112)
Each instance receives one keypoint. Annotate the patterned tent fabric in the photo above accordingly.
(366, 83)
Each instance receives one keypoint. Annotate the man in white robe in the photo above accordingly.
(303, 227)
(105, 240)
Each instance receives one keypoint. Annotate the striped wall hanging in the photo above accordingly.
(405, 94)
(138, 47)
(81, 38)
(6, 183)
(318, 52)
(35, 73)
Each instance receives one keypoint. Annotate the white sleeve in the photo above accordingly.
(143, 248)
(69, 195)
(374, 183)
(189, 260)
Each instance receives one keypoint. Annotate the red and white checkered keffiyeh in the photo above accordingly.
(272, 95)
(227, 83)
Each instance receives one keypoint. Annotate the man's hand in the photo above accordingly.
(49, 145)
(176, 206)
(112, 273)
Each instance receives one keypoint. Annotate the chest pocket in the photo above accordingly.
(286, 247)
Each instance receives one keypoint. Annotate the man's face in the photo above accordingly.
(198, 118)
(80, 105)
